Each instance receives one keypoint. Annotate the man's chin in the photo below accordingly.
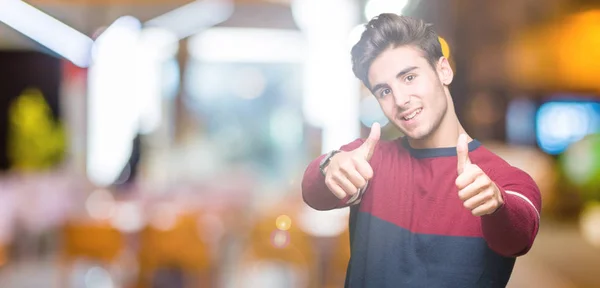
(414, 135)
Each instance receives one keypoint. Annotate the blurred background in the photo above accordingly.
(161, 143)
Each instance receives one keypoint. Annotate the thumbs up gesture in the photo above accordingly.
(477, 191)
(348, 172)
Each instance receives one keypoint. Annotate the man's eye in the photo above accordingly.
(409, 78)
(385, 92)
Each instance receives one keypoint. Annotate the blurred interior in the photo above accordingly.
(162, 143)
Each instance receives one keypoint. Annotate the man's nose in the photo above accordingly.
(402, 98)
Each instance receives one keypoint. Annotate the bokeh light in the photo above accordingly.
(280, 239)
(370, 112)
(581, 165)
(100, 205)
(376, 7)
(445, 47)
(283, 222)
(590, 217)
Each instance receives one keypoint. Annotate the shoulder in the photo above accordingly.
(485, 158)
(498, 168)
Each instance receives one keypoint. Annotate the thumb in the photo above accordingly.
(462, 152)
(371, 142)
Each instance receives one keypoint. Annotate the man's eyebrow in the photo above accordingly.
(406, 71)
(379, 86)
(400, 74)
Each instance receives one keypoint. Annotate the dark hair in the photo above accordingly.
(390, 31)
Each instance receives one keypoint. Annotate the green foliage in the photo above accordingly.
(35, 140)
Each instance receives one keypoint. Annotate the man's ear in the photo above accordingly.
(445, 71)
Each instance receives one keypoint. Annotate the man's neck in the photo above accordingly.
(446, 134)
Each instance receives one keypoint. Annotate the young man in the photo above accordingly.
(434, 208)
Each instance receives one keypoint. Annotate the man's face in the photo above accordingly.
(409, 90)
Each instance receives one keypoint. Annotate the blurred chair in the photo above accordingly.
(95, 241)
(4, 251)
(271, 249)
(178, 248)
(337, 262)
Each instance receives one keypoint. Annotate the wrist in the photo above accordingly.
(499, 198)
(324, 165)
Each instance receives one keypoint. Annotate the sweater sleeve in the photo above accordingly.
(315, 192)
(511, 230)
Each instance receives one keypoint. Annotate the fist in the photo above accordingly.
(348, 172)
(476, 190)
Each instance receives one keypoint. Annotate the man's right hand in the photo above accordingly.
(349, 171)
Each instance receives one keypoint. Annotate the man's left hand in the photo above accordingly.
(477, 191)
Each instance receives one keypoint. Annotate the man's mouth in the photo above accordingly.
(412, 115)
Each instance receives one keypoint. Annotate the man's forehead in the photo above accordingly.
(406, 55)
(394, 60)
